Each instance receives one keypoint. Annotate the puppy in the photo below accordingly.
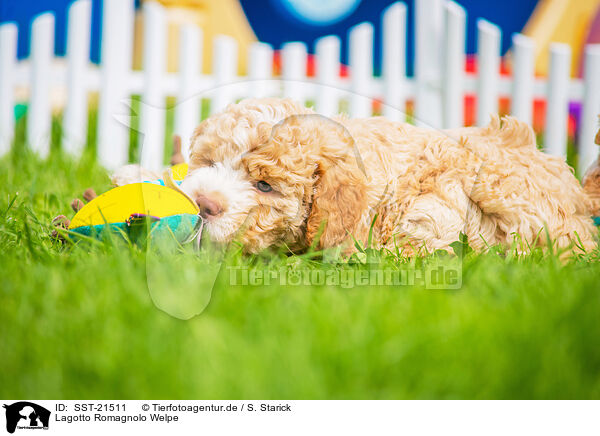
(272, 173)
(591, 182)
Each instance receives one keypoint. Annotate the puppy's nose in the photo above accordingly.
(209, 208)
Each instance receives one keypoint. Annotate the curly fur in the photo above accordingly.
(331, 177)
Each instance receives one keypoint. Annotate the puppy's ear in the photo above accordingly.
(321, 152)
(338, 204)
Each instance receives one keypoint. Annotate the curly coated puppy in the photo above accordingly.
(270, 172)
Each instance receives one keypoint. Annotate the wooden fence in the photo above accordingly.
(437, 88)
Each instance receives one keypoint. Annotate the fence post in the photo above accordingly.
(454, 65)
(153, 109)
(523, 77)
(293, 56)
(39, 120)
(361, 70)
(117, 36)
(225, 54)
(428, 32)
(557, 102)
(588, 151)
(394, 62)
(78, 55)
(327, 51)
(488, 59)
(8, 60)
(260, 69)
(187, 110)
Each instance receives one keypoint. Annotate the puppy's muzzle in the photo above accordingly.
(209, 208)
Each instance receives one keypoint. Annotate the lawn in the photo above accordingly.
(79, 321)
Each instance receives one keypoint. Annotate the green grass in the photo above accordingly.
(78, 321)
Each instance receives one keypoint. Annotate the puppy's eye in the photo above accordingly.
(263, 186)
(209, 163)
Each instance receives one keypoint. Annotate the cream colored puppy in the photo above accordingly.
(270, 172)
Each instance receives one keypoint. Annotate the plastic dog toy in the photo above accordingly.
(159, 208)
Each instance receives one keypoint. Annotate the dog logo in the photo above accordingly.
(26, 415)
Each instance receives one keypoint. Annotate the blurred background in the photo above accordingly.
(574, 22)
(434, 48)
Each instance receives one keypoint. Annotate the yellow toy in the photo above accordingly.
(164, 208)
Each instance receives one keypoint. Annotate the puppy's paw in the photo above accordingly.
(132, 174)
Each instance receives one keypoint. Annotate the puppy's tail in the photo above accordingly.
(511, 132)
(591, 183)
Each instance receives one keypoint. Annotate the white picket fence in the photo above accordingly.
(437, 88)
